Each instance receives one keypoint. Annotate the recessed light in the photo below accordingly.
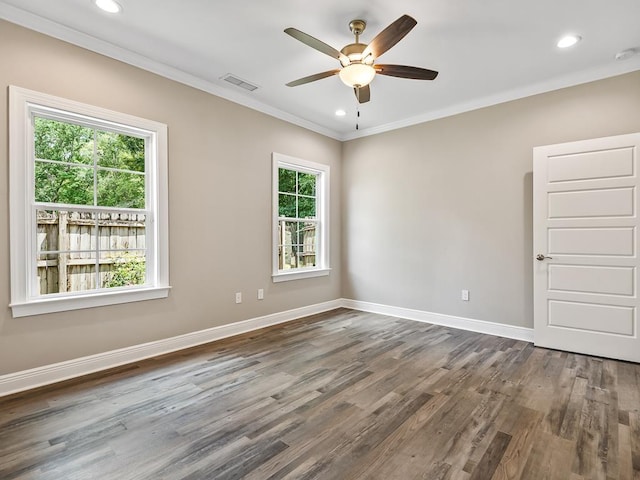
(340, 113)
(628, 53)
(109, 6)
(568, 41)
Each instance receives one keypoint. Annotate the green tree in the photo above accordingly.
(297, 194)
(63, 142)
(56, 142)
(120, 151)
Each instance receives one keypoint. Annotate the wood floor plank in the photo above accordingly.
(522, 428)
(343, 395)
(492, 457)
(625, 461)
(634, 426)
(549, 459)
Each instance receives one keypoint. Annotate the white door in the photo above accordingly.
(585, 222)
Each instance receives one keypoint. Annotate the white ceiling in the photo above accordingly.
(486, 51)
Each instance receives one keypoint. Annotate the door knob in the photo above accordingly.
(540, 257)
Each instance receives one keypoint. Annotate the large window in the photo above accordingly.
(88, 206)
(300, 204)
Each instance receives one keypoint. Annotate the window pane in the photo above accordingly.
(65, 230)
(287, 206)
(289, 233)
(122, 249)
(81, 271)
(308, 235)
(307, 184)
(286, 180)
(288, 257)
(308, 238)
(297, 245)
(66, 242)
(120, 151)
(122, 269)
(69, 272)
(121, 231)
(48, 277)
(120, 189)
(47, 231)
(80, 232)
(306, 207)
(62, 142)
(121, 242)
(58, 183)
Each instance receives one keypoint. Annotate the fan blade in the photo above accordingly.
(363, 94)
(313, 78)
(404, 71)
(390, 36)
(316, 44)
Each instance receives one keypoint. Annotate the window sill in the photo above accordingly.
(300, 274)
(77, 302)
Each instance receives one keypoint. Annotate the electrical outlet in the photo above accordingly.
(260, 294)
(465, 295)
(239, 297)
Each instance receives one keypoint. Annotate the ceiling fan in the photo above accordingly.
(357, 60)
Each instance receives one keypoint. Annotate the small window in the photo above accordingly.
(91, 187)
(300, 191)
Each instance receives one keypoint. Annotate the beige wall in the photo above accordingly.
(220, 205)
(447, 205)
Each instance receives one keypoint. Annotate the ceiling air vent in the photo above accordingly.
(238, 82)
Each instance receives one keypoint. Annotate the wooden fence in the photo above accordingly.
(67, 242)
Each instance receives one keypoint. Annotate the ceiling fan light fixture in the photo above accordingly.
(357, 75)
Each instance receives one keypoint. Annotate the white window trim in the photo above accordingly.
(22, 237)
(322, 214)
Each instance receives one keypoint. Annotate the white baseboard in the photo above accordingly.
(480, 326)
(48, 374)
(57, 372)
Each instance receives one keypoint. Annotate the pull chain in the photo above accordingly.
(357, 108)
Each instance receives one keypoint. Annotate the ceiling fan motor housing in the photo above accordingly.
(354, 52)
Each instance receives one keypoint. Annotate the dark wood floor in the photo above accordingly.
(343, 395)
